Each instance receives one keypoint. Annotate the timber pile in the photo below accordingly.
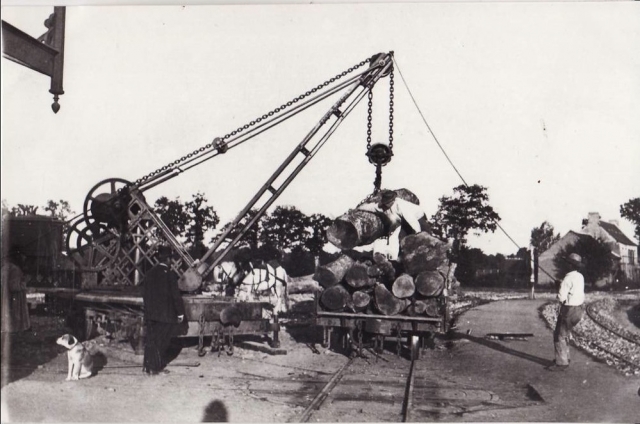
(370, 283)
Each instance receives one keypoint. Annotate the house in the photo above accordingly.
(547, 272)
(623, 250)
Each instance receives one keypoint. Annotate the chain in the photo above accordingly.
(391, 111)
(219, 143)
(230, 349)
(215, 342)
(201, 323)
(398, 343)
(369, 119)
(377, 182)
(360, 331)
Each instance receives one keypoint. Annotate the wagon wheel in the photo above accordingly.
(97, 246)
(102, 204)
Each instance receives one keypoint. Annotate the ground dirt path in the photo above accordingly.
(506, 379)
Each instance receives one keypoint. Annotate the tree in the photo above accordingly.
(468, 209)
(189, 221)
(202, 218)
(173, 214)
(595, 254)
(317, 228)
(470, 260)
(543, 237)
(631, 212)
(317, 239)
(20, 210)
(251, 238)
(60, 209)
(285, 229)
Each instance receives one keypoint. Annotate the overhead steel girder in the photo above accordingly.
(26, 50)
(44, 54)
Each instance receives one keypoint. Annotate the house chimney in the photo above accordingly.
(594, 217)
(614, 222)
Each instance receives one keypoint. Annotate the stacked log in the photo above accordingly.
(359, 228)
(370, 283)
(331, 274)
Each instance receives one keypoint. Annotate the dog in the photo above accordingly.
(78, 356)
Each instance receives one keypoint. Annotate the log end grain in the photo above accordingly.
(429, 283)
(343, 234)
(403, 287)
(335, 298)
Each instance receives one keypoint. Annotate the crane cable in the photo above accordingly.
(449, 159)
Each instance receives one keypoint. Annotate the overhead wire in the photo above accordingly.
(435, 138)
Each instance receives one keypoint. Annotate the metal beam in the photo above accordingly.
(44, 54)
(22, 48)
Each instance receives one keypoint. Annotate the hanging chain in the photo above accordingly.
(391, 110)
(201, 324)
(398, 341)
(219, 142)
(369, 118)
(377, 182)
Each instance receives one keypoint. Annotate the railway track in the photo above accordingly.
(391, 388)
(627, 347)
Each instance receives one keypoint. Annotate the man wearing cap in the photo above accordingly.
(399, 213)
(163, 309)
(571, 297)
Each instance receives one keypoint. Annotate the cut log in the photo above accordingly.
(360, 300)
(359, 228)
(403, 286)
(358, 276)
(429, 283)
(386, 302)
(418, 307)
(433, 307)
(335, 298)
(332, 273)
(303, 285)
(383, 270)
(422, 252)
(355, 228)
(402, 193)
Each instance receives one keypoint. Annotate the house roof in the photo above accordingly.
(615, 232)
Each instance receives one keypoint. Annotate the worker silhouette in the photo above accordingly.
(398, 213)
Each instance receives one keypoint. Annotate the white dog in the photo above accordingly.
(80, 360)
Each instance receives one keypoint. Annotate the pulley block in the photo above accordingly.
(379, 154)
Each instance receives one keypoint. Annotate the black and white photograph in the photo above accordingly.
(326, 211)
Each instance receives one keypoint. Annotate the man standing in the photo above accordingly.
(163, 309)
(15, 309)
(399, 213)
(571, 297)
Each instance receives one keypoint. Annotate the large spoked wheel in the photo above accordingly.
(93, 245)
(103, 203)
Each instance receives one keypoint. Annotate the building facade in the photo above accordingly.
(623, 250)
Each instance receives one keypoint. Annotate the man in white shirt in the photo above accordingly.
(571, 297)
(399, 213)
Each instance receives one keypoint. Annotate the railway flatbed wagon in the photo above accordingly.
(353, 331)
(120, 315)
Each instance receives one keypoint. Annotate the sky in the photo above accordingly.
(538, 102)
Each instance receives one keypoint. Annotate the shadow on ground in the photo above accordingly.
(504, 349)
(24, 352)
(634, 315)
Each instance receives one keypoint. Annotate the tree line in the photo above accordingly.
(298, 240)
